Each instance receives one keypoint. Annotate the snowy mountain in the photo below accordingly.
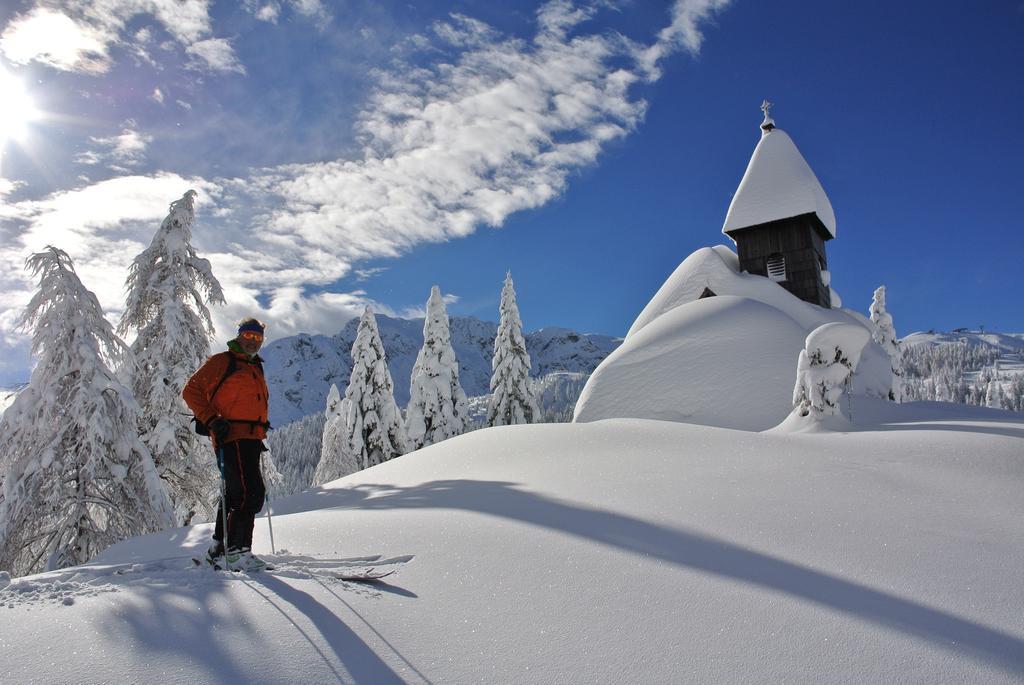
(1003, 342)
(300, 369)
(619, 551)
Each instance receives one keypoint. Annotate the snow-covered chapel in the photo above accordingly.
(730, 360)
(780, 217)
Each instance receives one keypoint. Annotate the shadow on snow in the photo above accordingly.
(692, 551)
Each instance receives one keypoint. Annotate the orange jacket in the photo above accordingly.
(241, 398)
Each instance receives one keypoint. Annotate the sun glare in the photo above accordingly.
(16, 108)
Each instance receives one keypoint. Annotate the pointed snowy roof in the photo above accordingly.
(778, 184)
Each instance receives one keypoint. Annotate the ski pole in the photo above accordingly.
(270, 525)
(223, 505)
(266, 498)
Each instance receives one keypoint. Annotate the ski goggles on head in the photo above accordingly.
(251, 335)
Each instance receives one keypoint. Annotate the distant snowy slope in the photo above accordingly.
(621, 551)
(970, 367)
(1004, 342)
(300, 369)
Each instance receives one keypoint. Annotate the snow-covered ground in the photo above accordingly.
(623, 550)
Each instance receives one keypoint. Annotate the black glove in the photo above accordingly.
(219, 428)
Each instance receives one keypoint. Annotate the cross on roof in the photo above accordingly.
(768, 124)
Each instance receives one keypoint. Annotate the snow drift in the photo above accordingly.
(679, 367)
(728, 360)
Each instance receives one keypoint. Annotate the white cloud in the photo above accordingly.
(8, 186)
(270, 10)
(462, 144)
(313, 9)
(683, 32)
(55, 39)
(216, 54)
(158, 96)
(294, 310)
(465, 31)
(367, 274)
(77, 35)
(127, 148)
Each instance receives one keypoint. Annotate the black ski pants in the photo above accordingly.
(245, 492)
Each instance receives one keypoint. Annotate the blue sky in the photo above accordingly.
(357, 153)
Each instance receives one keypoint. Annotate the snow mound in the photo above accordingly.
(721, 361)
(716, 362)
(778, 184)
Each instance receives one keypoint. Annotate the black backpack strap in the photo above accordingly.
(201, 428)
(232, 367)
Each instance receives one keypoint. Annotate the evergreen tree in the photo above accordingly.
(437, 404)
(885, 335)
(80, 479)
(511, 401)
(337, 458)
(169, 287)
(376, 432)
(994, 395)
(825, 366)
(296, 450)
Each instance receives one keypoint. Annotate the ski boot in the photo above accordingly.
(244, 561)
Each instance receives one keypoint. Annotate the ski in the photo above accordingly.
(366, 574)
(367, 568)
(380, 568)
(217, 566)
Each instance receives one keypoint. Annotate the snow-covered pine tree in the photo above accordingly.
(511, 401)
(337, 457)
(885, 335)
(296, 450)
(994, 395)
(80, 479)
(169, 287)
(376, 431)
(824, 368)
(1015, 394)
(437, 404)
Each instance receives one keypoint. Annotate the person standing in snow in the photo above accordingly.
(229, 395)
